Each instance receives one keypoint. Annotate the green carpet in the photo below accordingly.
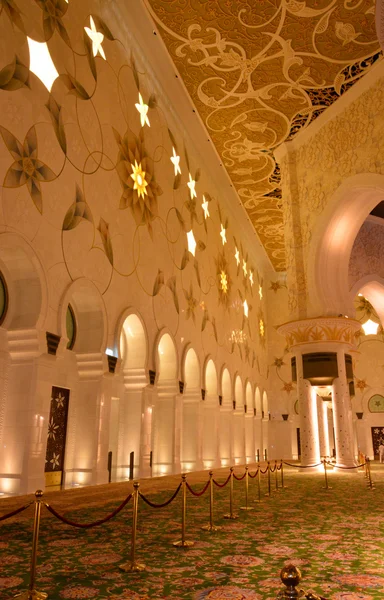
(334, 537)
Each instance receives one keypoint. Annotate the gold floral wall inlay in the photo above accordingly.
(258, 72)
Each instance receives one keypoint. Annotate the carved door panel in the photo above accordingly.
(377, 439)
(57, 433)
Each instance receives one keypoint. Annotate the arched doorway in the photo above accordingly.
(265, 425)
(248, 423)
(210, 416)
(258, 426)
(238, 424)
(191, 415)
(226, 420)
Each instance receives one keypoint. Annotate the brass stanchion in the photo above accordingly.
(258, 482)
(132, 565)
(183, 543)
(326, 475)
(370, 484)
(211, 526)
(246, 507)
(269, 478)
(31, 593)
(282, 474)
(276, 481)
(231, 514)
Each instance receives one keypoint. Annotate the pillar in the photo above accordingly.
(342, 415)
(191, 459)
(309, 429)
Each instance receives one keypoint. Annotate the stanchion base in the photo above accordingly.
(31, 595)
(211, 528)
(246, 507)
(230, 516)
(183, 544)
(132, 567)
(327, 488)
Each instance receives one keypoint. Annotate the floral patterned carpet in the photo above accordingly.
(333, 535)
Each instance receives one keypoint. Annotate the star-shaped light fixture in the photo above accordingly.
(191, 242)
(191, 184)
(176, 162)
(204, 206)
(244, 267)
(143, 110)
(251, 277)
(261, 292)
(237, 256)
(96, 38)
(245, 306)
(224, 281)
(370, 327)
(139, 182)
(223, 236)
(41, 64)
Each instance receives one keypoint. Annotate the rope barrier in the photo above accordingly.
(88, 525)
(265, 471)
(198, 494)
(16, 512)
(301, 466)
(221, 485)
(239, 478)
(272, 469)
(255, 475)
(164, 504)
(340, 467)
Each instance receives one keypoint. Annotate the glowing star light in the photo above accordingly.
(237, 257)
(251, 278)
(143, 110)
(244, 267)
(223, 236)
(260, 292)
(204, 206)
(96, 38)
(41, 64)
(245, 306)
(224, 282)
(191, 184)
(139, 182)
(370, 327)
(175, 161)
(191, 242)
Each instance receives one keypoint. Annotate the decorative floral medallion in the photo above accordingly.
(361, 581)
(227, 592)
(79, 591)
(9, 582)
(241, 560)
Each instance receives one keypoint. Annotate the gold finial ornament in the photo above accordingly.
(291, 577)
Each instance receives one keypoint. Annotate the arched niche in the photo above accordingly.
(265, 405)
(332, 243)
(191, 370)
(133, 343)
(210, 378)
(167, 358)
(90, 315)
(239, 392)
(226, 388)
(258, 402)
(26, 284)
(249, 397)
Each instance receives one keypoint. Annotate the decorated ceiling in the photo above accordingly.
(258, 71)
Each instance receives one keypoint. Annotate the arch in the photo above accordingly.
(265, 405)
(133, 346)
(372, 288)
(249, 396)
(226, 387)
(239, 392)
(191, 369)
(258, 402)
(26, 283)
(332, 242)
(166, 357)
(90, 314)
(210, 377)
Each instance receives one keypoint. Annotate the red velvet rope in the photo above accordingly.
(339, 467)
(201, 491)
(88, 525)
(273, 469)
(153, 505)
(264, 472)
(239, 478)
(281, 466)
(253, 476)
(221, 485)
(16, 512)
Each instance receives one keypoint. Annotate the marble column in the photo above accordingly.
(309, 427)
(191, 429)
(322, 415)
(342, 415)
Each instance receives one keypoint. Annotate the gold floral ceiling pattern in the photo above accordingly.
(258, 71)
